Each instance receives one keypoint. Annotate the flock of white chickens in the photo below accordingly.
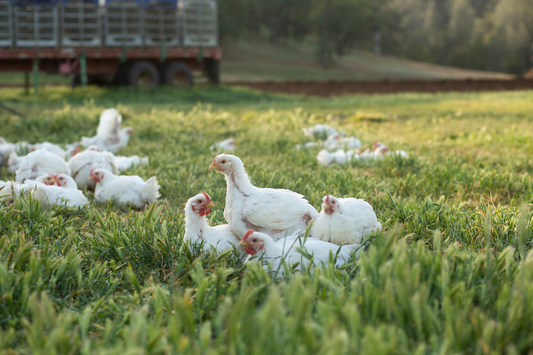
(270, 224)
(338, 149)
(58, 176)
(263, 223)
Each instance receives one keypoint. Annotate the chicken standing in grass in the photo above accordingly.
(125, 190)
(344, 221)
(109, 135)
(264, 248)
(197, 229)
(91, 158)
(39, 163)
(276, 212)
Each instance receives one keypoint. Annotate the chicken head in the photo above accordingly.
(252, 243)
(330, 204)
(202, 204)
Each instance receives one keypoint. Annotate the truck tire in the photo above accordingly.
(142, 74)
(177, 74)
(212, 69)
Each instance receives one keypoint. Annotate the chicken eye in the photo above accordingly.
(223, 162)
(254, 240)
(199, 201)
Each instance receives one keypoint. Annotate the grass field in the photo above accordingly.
(451, 272)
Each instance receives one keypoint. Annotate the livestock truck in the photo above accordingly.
(142, 43)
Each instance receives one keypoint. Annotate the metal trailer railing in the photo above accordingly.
(36, 23)
(123, 23)
(81, 24)
(200, 26)
(6, 25)
(161, 23)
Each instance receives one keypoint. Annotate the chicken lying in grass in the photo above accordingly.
(320, 131)
(39, 163)
(275, 212)
(227, 145)
(344, 221)
(71, 151)
(124, 163)
(50, 189)
(289, 250)
(336, 141)
(125, 190)
(197, 229)
(110, 144)
(91, 158)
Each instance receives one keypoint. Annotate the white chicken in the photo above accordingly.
(379, 152)
(382, 149)
(51, 147)
(124, 163)
(5, 150)
(336, 141)
(125, 190)
(82, 163)
(110, 122)
(289, 250)
(320, 131)
(61, 180)
(344, 221)
(197, 229)
(307, 145)
(276, 212)
(50, 189)
(227, 145)
(326, 158)
(39, 163)
(111, 144)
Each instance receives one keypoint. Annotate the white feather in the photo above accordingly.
(39, 163)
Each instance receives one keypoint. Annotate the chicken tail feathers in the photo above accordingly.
(152, 188)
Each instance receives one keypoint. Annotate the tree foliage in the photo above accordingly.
(492, 35)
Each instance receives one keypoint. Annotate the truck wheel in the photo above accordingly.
(212, 69)
(142, 74)
(177, 74)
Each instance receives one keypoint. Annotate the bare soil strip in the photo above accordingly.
(335, 88)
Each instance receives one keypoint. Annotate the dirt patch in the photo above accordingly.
(336, 88)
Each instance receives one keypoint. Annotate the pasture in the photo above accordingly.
(450, 273)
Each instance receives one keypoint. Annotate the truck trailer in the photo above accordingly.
(142, 43)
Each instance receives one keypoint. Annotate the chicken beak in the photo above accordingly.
(55, 181)
(243, 244)
(326, 206)
(91, 177)
(209, 205)
(213, 166)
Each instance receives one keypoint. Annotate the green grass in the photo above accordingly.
(451, 273)
(256, 59)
